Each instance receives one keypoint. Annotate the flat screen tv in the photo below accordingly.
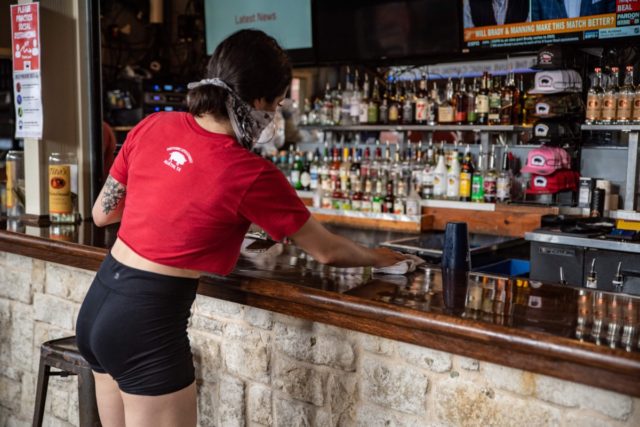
(288, 21)
(378, 30)
(489, 24)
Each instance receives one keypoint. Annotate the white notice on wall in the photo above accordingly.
(28, 103)
(27, 83)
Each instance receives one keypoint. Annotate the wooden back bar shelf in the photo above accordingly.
(299, 287)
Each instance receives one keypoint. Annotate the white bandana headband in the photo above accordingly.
(247, 122)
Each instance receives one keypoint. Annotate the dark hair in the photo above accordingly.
(251, 63)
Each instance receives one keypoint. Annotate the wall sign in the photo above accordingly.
(27, 83)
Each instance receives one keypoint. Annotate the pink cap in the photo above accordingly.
(546, 160)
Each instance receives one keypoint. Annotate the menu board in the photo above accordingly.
(518, 23)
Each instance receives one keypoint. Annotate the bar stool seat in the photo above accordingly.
(63, 354)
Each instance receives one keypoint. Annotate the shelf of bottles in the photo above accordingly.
(371, 180)
(488, 104)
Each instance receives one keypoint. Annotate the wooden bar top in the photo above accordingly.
(538, 336)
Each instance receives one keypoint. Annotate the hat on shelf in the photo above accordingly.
(556, 81)
(556, 131)
(561, 180)
(549, 58)
(566, 105)
(546, 160)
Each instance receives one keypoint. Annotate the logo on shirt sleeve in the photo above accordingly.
(178, 157)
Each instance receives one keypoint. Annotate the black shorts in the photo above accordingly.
(133, 326)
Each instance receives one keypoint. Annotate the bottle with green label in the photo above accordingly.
(477, 181)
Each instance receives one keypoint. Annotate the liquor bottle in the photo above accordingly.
(336, 197)
(524, 95)
(326, 111)
(412, 204)
(383, 113)
(345, 112)
(610, 98)
(440, 178)
(389, 199)
(490, 179)
(374, 170)
(445, 109)
(327, 195)
(421, 102)
(594, 98)
(296, 170)
(494, 102)
(385, 164)
(453, 177)
(460, 103)
(314, 171)
(374, 104)
(503, 184)
(400, 202)
(471, 103)
(624, 114)
(482, 101)
(517, 100)
(323, 170)
(334, 169)
(365, 205)
(477, 181)
(416, 169)
(394, 103)
(337, 104)
(354, 170)
(365, 164)
(345, 169)
(408, 106)
(427, 173)
(364, 102)
(506, 101)
(376, 200)
(305, 174)
(636, 106)
(395, 168)
(354, 110)
(433, 104)
(466, 174)
(356, 197)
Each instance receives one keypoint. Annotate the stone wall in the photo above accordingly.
(257, 368)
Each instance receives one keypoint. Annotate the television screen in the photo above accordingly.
(367, 30)
(288, 21)
(518, 23)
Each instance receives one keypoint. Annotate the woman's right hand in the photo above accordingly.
(385, 257)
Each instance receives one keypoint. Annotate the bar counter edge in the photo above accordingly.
(563, 358)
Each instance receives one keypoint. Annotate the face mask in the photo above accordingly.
(248, 123)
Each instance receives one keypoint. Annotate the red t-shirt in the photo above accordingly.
(192, 194)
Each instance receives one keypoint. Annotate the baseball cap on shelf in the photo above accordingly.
(546, 160)
(554, 131)
(561, 180)
(556, 81)
(549, 58)
(569, 104)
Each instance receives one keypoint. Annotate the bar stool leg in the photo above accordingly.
(87, 403)
(41, 392)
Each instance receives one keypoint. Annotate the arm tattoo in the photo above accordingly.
(114, 192)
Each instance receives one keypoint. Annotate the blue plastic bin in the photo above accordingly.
(507, 268)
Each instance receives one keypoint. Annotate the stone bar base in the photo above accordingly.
(257, 368)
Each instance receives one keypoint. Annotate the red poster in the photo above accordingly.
(25, 37)
(623, 6)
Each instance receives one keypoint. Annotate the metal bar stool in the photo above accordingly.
(63, 354)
